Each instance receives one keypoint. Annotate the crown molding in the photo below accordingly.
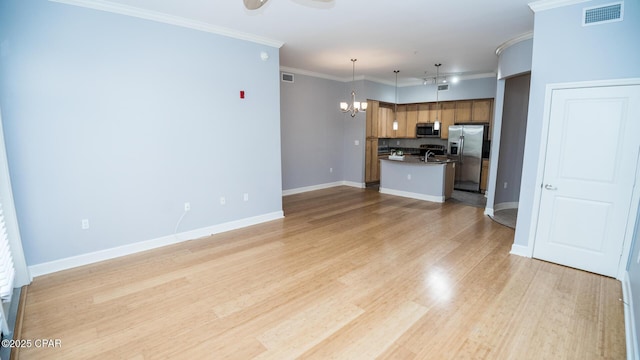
(406, 83)
(515, 40)
(331, 77)
(313, 74)
(543, 5)
(107, 6)
(461, 77)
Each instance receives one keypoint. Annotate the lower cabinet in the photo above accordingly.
(484, 175)
(449, 179)
(372, 164)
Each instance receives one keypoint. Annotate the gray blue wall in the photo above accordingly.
(516, 59)
(121, 120)
(565, 51)
(466, 89)
(312, 131)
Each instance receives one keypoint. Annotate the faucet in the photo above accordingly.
(427, 154)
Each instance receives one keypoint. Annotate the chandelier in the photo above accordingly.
(355, 106)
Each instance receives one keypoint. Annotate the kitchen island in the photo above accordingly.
(413, 178)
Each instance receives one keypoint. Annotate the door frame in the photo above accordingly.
(544, 138)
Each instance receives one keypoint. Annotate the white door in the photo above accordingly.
(589, 173)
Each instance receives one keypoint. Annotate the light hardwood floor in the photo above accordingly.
(348, 274)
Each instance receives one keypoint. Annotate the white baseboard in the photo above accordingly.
(505, 206)
(433, 198)
(322, 186)
(106, 254)
(629, 319)
(520, 250)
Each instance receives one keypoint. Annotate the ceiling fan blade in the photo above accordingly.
(254, 4)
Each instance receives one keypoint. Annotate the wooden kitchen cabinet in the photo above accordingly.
(372, 118)
(447, 118)
(484, 175)
(424, 112)
(372, 164)
(412, 120)
(385, 121)
(463, 111)
(380, 116)
(482, 110)
(401, 116)
(449, 179)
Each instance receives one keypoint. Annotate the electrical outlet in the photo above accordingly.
(330, 170)
(245, 197)
(398, 142)
(408, 176)
(187, 206)
(505, 184)
(85, 224)
(223, 200)
(356, 142)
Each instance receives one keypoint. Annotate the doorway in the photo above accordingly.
(512, 138)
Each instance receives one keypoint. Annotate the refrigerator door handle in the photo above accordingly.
(461, 149)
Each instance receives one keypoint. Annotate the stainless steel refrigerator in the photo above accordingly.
(465, 146)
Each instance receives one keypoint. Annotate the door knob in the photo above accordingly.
(550, 187)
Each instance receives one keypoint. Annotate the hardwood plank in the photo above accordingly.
(369, 335)
(348, 273)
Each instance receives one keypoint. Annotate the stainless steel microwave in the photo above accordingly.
(426, 130)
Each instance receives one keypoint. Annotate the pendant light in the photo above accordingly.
(395, 109)
(436, 124)
(355, 106)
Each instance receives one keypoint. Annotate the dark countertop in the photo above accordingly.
(412, 159)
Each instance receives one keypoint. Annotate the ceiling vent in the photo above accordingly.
(602, 14)
(443, 87)
(286, 77)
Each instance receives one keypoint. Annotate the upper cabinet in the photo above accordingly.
(401, 116)
(482, 111)
(447, 117)
(468, 111)
(424, 112)
(385, 121)
(412, 120)
(380, 116)
(463, 111)
(372, 118)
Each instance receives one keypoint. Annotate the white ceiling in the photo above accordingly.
(407, 35)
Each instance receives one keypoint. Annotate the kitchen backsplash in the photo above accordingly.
(408, 143)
